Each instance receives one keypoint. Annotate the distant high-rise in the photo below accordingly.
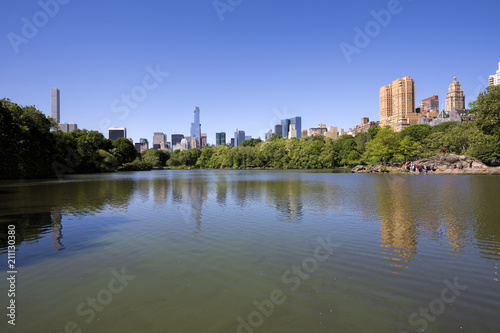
(292, 132)
(297, 121)
(220, 139)
(241, 137)
(158, 138)
(385, 104)
(176, 139)
(117, 132)
(203, 140)
(495, 78)
(65, 127)
(430, 103)
(184, 145)
(278, 129)
(196, 127)
(304, 133)
(332, 132)
(235, 135)
(142, 145)
(268, 135)
(397, 104)
(55, 104)
(455, 97)
(285, 126)
(320, 130)
(232, 142)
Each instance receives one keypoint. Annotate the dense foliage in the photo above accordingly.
(28, 147)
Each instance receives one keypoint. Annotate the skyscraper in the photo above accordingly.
(241, 138)
(268, 135)
(385, 104)
(278, 129)
(196, 127)
(142, 145)
(117, 132)
(495, 78)
(203, 140)
(55, 104)
(297, 121)
(285, 126)
(455, 97)
(158, 137)
(220, 139)
(397, 104)
(235, 135)
(176, 139)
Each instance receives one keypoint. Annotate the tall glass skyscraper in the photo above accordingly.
(285, 124)
(297, 121)
(196, 127)
(220, 139)
(235, 138)
(55, 104)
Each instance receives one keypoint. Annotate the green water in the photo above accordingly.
(253, 251)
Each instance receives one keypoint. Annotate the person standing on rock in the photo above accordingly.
(444, 150)
(470, 165)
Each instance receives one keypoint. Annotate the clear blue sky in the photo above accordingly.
(265, 60)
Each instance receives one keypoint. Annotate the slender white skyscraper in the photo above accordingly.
(196, 127)
(55, 104)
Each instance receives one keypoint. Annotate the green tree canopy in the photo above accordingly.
(487, 110)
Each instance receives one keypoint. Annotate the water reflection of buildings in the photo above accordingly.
(286, 197)
(160, 190)
(399, 226)
(56, 231)
(190, 194)
(416, 207)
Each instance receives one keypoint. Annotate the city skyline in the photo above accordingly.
(241, 75)
(397, 109)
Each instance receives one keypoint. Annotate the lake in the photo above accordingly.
(253, 251)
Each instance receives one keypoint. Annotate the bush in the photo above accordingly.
(136, 165)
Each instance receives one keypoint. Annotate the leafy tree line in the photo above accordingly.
(28, 148)
(479, 139)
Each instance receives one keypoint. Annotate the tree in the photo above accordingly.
(417, 133)
(487, 110)
(408, 148)
(372, 131)
(204, 159)
(384, 146)
(27, 144)
(251, 142)
(124, 150)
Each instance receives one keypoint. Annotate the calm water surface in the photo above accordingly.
(253, 251)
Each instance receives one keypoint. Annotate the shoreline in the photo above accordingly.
(443, 164)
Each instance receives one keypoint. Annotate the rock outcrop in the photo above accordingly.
(443, 164)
